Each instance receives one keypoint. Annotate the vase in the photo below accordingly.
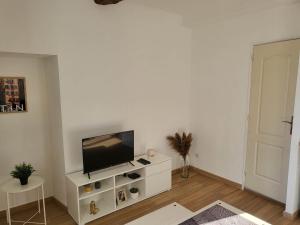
(185, 169)
(24, 180)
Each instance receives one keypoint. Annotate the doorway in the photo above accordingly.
(270, 123)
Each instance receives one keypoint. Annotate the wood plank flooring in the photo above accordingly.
(193, 193)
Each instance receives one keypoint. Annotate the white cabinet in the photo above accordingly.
(154, 179)
(158, 178)
(158, 183)
(158, 168)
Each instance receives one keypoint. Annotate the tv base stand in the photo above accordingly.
(131, 163)
(154, 178)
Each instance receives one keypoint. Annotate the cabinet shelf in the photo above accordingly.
(106, 185)
(105, 207)
(130, 201)
(122, 181)
(95, 192)
(154, 179)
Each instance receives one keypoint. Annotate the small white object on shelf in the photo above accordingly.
(151, 152)
(13, 186)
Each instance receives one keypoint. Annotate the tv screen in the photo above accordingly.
(107, 150)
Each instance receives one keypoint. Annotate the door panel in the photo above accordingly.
(272, 95)
(266, 152)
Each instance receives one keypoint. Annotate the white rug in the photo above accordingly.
(217, 213)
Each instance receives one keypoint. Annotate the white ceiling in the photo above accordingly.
(212, 10)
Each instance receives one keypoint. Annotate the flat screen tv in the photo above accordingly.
(107, 150)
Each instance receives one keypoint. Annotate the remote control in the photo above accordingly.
(143, 161)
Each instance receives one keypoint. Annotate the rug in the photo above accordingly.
(220, 213)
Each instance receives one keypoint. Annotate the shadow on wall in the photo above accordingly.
(73, 145)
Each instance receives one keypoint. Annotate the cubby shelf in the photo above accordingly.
(154, 179)
(129, 202)
(105, 208)
(122, 181)
(106, 185)
(95, 192)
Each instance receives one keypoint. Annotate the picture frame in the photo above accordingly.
(13, 96)
(121, 196)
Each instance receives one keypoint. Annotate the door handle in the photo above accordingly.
(291, 123)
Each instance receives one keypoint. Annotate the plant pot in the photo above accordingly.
(134, 195)
(24, 180)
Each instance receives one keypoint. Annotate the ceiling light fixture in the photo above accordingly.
(107, 2)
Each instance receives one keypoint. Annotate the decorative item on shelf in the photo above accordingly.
(87, 188)
(121, 196)
(93, 208)
(134, 193)
(182, 144)
(97, 185)
(151, 153)
(22, 172)
(133, 176)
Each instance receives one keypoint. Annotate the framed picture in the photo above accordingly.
(121, 196)
(12, 95)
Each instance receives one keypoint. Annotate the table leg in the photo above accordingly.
(39, 203)
(8, 209)
(6, 215)
(44, 206)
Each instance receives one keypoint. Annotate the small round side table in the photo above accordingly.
(13, 186)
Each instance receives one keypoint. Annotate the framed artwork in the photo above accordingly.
(121, 196)
(12, 95)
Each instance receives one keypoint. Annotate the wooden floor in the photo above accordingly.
(193, 193)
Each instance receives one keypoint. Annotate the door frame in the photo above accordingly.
(252, 45)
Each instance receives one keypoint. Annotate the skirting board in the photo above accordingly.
(31, 205)
(213, 176)
(265, 197)
(176, 171)
(292, 216)
(239, 186)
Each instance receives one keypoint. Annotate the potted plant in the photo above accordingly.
(134, 193)
(182, 144)
(22, 172)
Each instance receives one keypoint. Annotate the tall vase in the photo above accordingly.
(185, 170)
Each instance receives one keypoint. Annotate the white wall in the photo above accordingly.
(293, 178)
(136, 77)
(120, 67)
(220, 85)
(57, 159)
(128, 67)
(24, 136)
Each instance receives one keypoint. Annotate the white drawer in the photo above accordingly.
(158, 168)
(158, 183)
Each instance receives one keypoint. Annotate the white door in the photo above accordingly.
(273, 84)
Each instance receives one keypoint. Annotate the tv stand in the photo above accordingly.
(154, 178)
(89, 176)
(131, 163)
